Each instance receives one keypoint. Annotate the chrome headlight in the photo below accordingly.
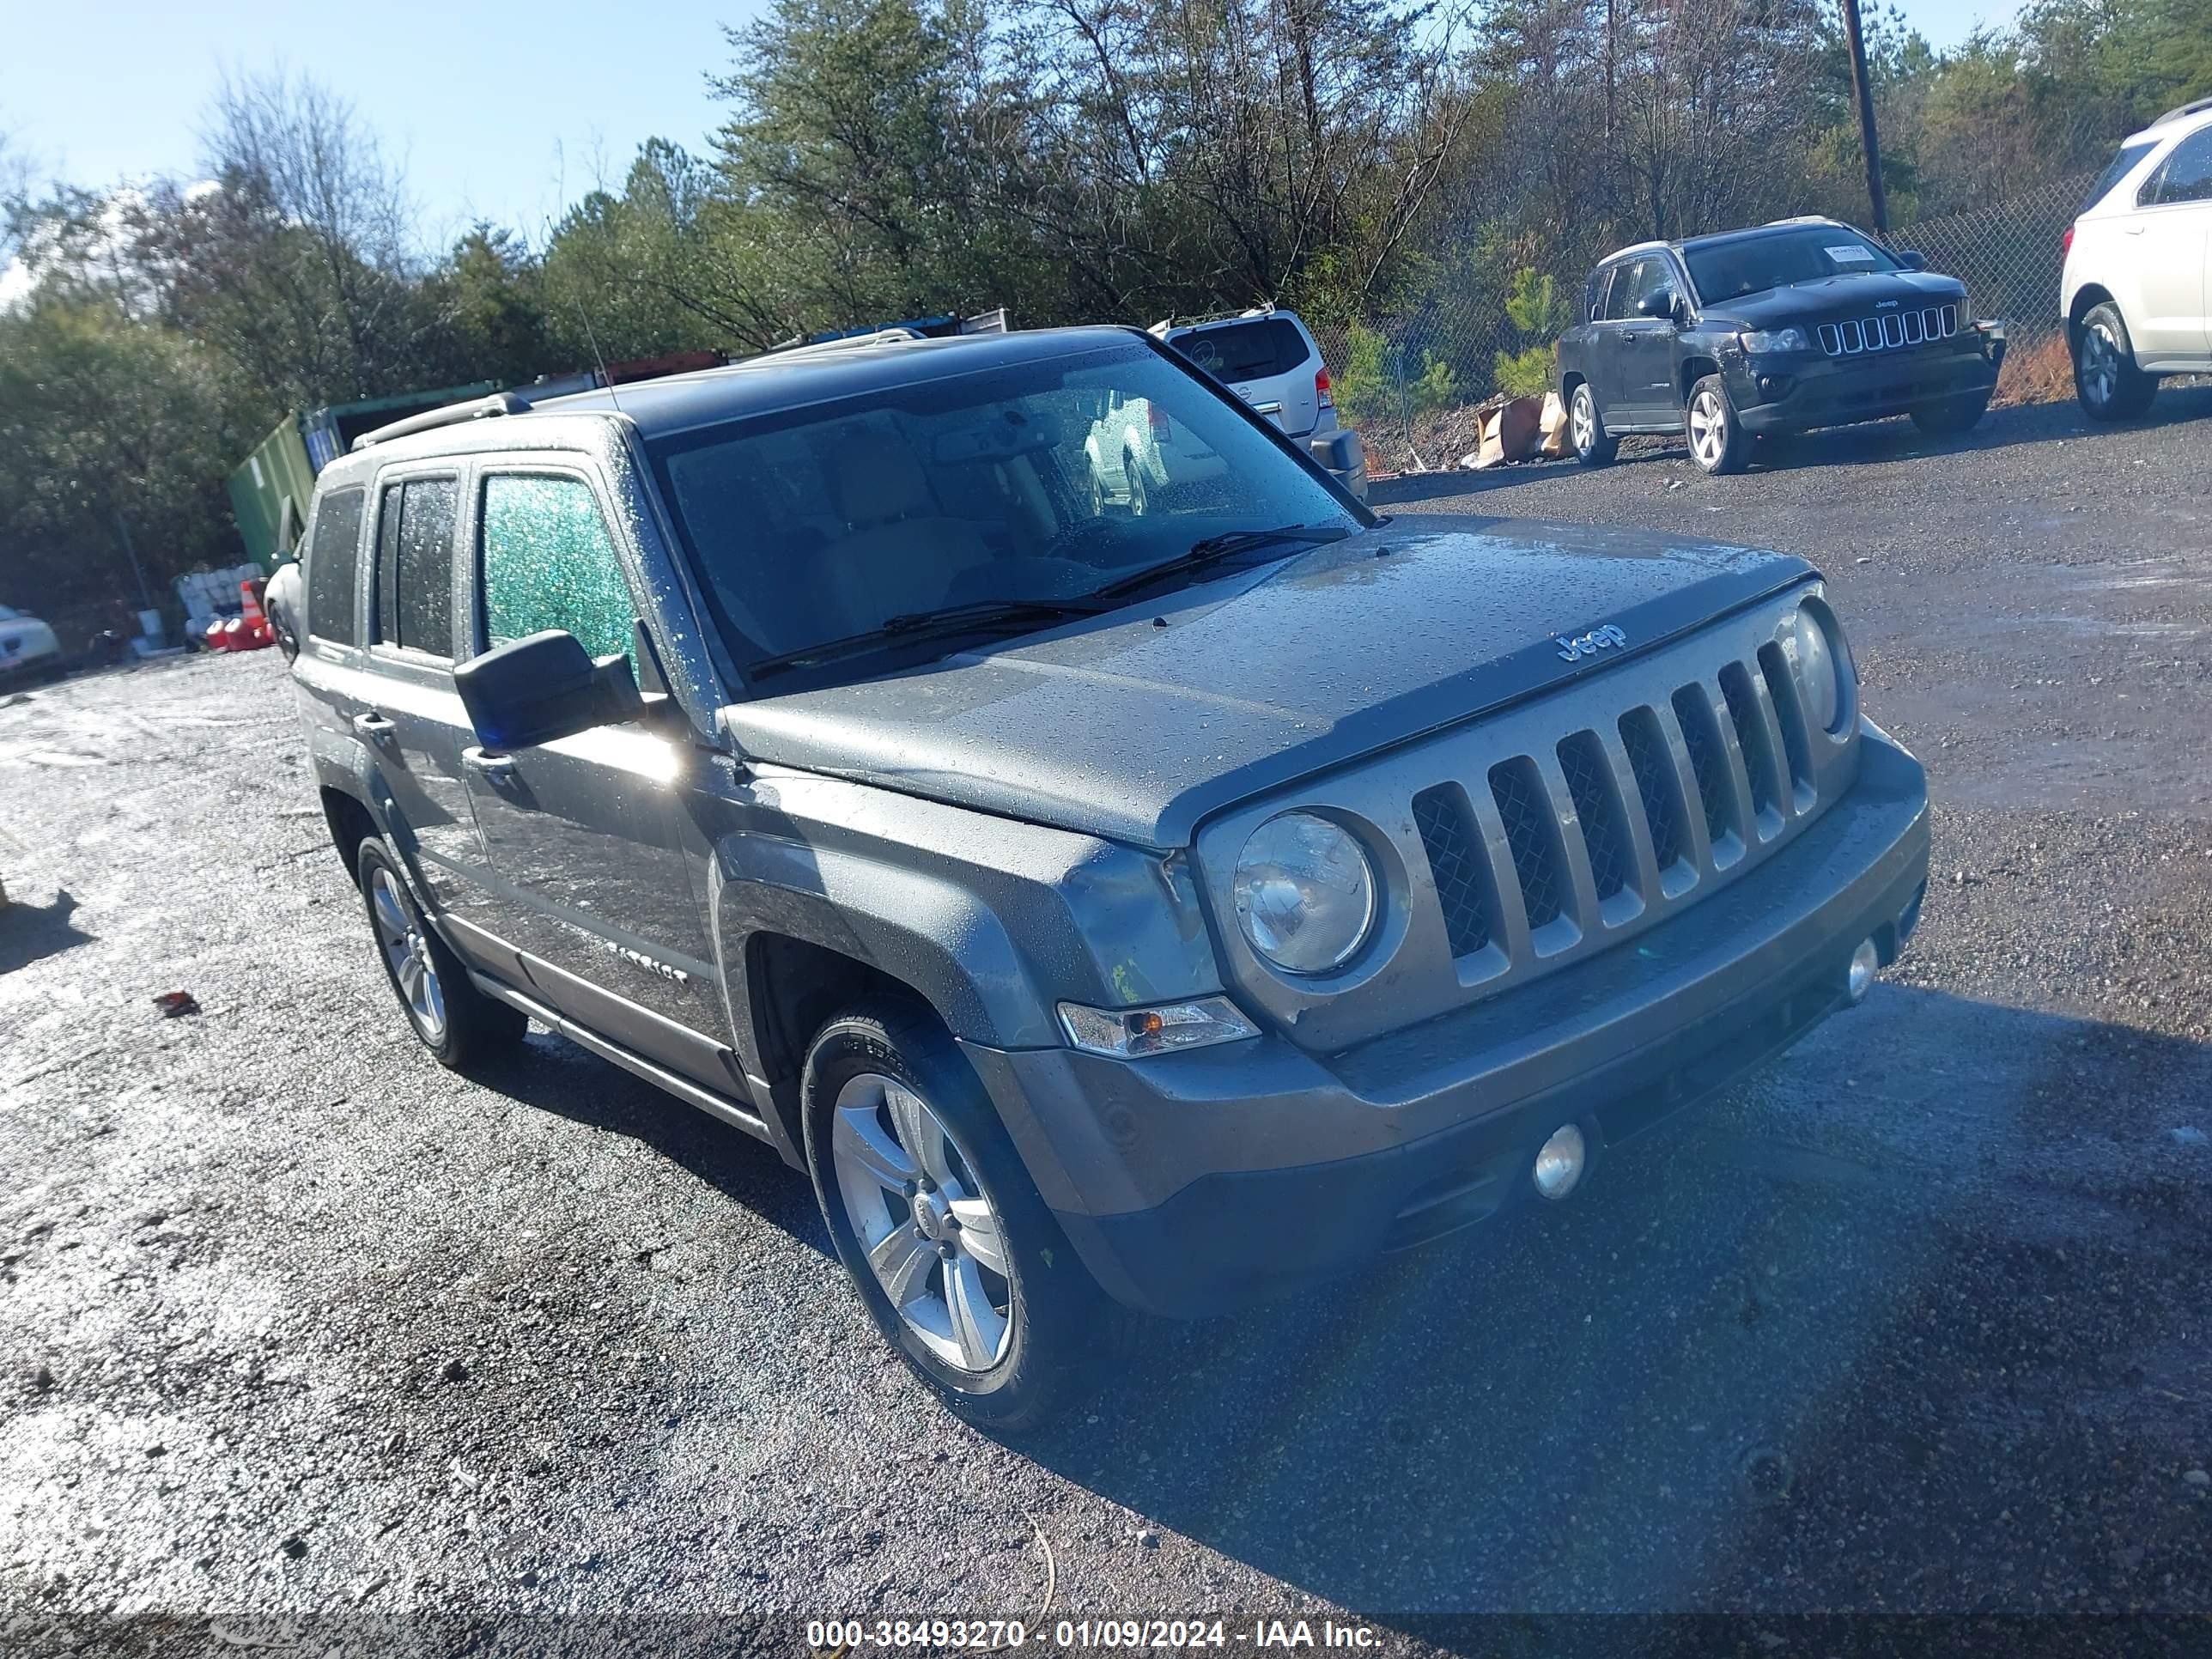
(1757, 341)
(1305, 893)
(1815, 666)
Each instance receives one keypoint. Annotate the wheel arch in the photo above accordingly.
(792, 987)
(350, 824)
(1693, 369)
(2087, 298)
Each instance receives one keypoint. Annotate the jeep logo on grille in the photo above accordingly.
(1589, 644)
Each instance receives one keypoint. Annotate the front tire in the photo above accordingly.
(1586, 431)
(952, 1251)
(1718, 443)
(2105, 379)
(1952, 415)
(458, 1024)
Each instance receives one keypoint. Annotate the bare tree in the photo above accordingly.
(308, 232)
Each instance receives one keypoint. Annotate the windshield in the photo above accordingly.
(1039, 482)
(1751, 264)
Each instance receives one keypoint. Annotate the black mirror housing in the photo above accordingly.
(1912, 259)
(533, 690)
(1658, 305)
(1338, 452)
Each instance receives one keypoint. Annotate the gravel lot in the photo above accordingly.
(296, 1326)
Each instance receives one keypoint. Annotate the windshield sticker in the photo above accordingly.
(1852, 256)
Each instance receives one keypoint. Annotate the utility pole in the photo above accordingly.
(1867, 142)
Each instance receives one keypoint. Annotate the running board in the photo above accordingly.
(714, 1105)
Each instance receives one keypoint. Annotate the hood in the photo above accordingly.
(1837, 296)
(1119, 727)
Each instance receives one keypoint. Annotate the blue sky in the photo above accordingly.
(498, 108)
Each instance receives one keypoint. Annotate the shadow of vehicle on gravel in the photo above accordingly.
(2001, 428)
(30, 932)
(548, 1073)
(1800, 1354)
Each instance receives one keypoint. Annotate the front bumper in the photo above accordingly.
(1198, 1183)
(1801, 391)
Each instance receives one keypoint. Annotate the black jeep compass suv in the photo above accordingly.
(1801, 323)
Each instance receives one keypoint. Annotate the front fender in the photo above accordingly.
(991, 920)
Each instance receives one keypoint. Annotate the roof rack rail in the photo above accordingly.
(2194, 106)
(500, 403)
(845, 343)
(1800, 219)
(1159, 330)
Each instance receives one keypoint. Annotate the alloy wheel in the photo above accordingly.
(921, 1214)
(1584, 417)
(1708, 429)
(2100, 364)
(407, 955)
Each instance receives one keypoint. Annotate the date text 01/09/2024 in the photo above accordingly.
(837, 1636)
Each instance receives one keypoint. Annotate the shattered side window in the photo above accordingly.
(548, 561)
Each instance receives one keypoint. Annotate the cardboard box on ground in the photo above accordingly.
(1519, 429)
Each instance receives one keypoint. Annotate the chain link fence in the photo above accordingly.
(1412, 381)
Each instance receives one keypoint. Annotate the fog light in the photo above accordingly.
(1560, 1161)
(1860, 980)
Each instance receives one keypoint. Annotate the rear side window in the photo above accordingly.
(333, 561)
(2122, 165)
(548, 561)
(1245, 351)
(1594, 307)
(415, 565)
(2184, 176)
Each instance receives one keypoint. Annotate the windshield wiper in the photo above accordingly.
(953, 618)
(1218, 547)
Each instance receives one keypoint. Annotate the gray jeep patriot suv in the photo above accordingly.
(1167, 907)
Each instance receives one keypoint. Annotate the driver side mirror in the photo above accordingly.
(1660, 304)
(1912, 259)
(533, 690)
(1338, 452)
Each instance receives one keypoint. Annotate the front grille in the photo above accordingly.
(1457, 862)
(1889, 330)
(1657, 787)
(1590, 786)
(1696, 779)
(1701, 736)
(1532, 830)
(1751, 740)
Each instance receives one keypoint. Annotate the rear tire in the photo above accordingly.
(925, 1199)
(2105, 379)
(1952, 416)
(1586, 431)
(1718, 443)
(458, 1024)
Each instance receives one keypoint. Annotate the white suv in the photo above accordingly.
(1270, 359)
(2139, 266)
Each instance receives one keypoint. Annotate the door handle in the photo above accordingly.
(2131, 230)
(492, 766)
(372, 726)
(1626, 336)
